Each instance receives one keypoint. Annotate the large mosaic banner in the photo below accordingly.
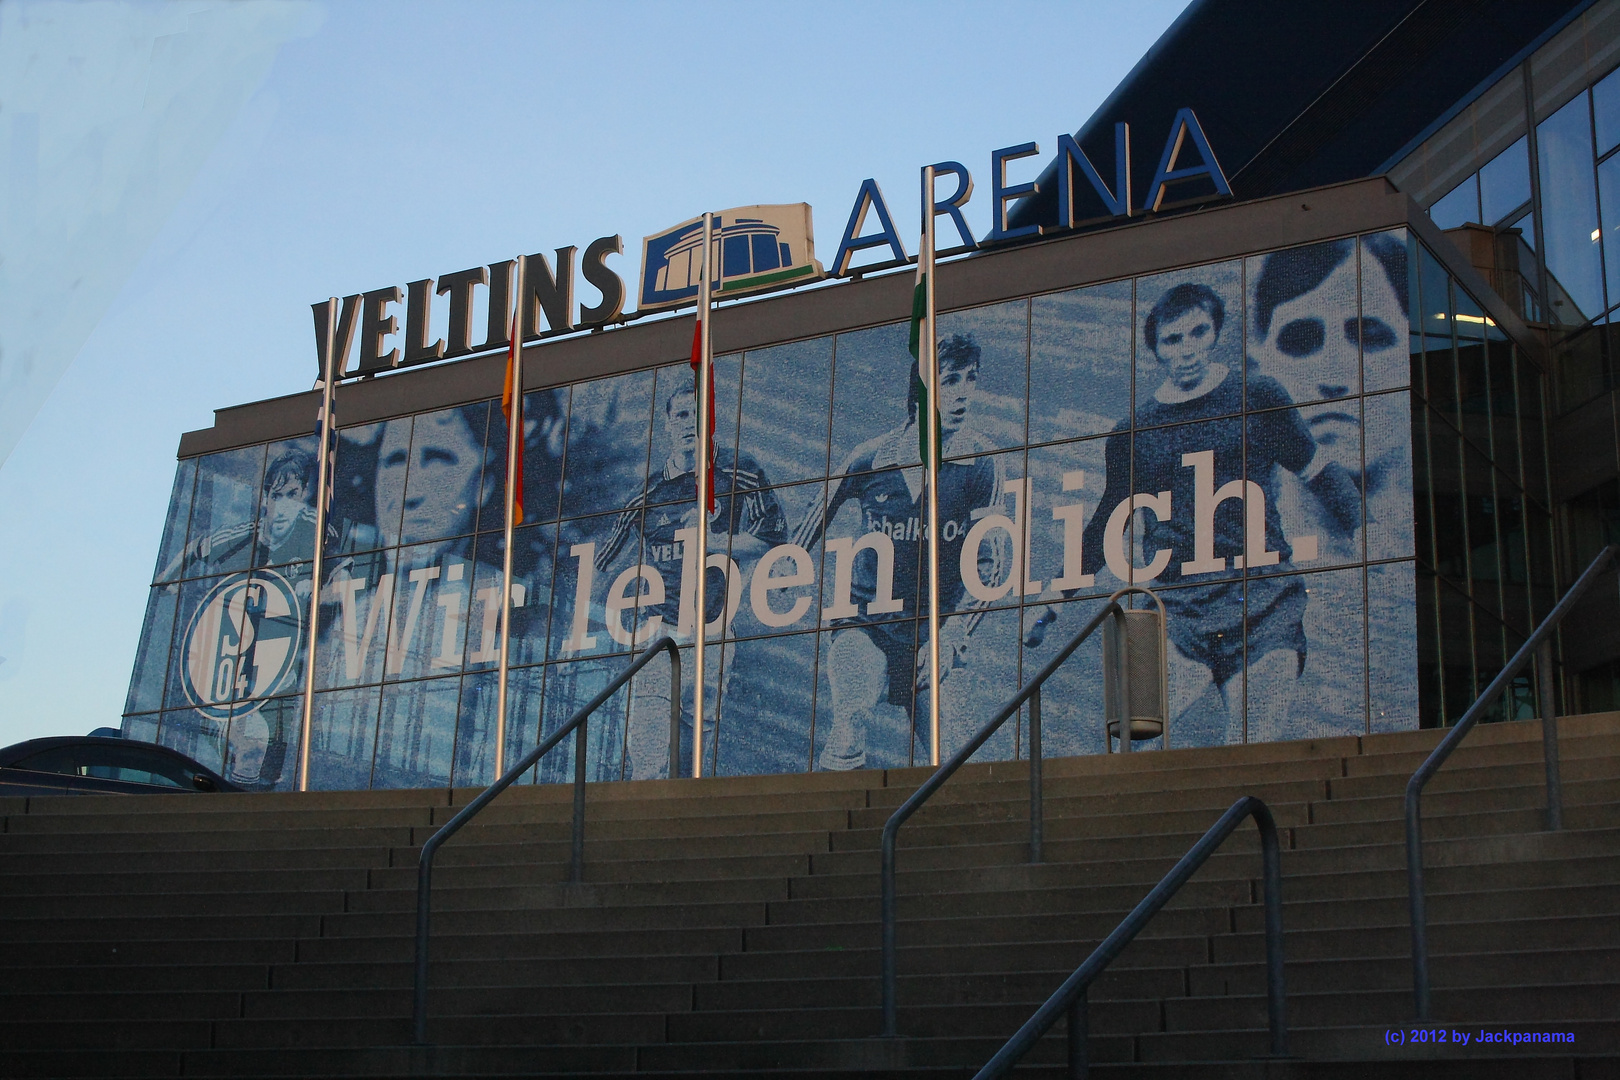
(1236, 436)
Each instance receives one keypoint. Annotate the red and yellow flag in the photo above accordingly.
(697, 386)
(512, 406)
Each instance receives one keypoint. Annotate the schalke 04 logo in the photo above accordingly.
(241, 644)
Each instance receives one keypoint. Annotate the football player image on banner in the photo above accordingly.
(877, 658)
(1211, 511)
(747, 522)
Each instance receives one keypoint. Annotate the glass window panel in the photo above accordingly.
(1072, 699)
(474, 764)
(354, 615)
(1473, 389)
(1504, 402)
(569, 688)
(152, 654)
(865, 680)
(1189, 351)
(1415, 311)
(1440, 371)
(261, 750)
(976, 679)
(1591, 522)
(1307, 328)
(416, 734)
(545, 437)
(1206, 627)
(872, 409)
(1504, 182)
(1313, 513)
(221, 533)
(1606, 111)
(444, 473)
(1458, 206)
(1385, 311)
(1539, 530)
(787, 393)
(199, 737)
(765, 609)
(983, 377)
(1569, 219)
(1326, 696)
(674, 433)
(532, 560)
(982, 540)
(427, 631)
(343, 737)
(1511, 568)
(1431, 711)
(205, 656)
(765, 713)
(1488, 661)
(1080, 362)
(1066, 484)
(608, 427)
(170, 562)
(1392, 647)
(1483, 547)
(1446, 480)
(1196, 540)
(646, 741)
(1388, 477)
(879, 512)
(286, 529)
(1532, 431)
(367, 499)
(593, 556)
(1456, 651)
(1422, 491)
(1609, 190)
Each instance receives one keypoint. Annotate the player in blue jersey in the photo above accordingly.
(1193, 462)
(875, 666)
(747, 521)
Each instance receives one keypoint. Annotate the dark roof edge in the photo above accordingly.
(1489, 81)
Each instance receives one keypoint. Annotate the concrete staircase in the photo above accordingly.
(729, 926)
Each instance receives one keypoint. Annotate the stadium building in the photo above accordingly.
(1337, 383)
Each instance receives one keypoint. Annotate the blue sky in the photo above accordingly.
(180, 181)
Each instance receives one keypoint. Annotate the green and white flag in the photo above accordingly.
(925, 404)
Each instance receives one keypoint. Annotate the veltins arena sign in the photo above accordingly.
(761, 247)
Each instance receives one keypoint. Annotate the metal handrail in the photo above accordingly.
(1538, 642)
(576, 868)
(891, 829)
(1070, 998)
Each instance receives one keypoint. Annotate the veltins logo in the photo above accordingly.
(241, 644)
(756, 247)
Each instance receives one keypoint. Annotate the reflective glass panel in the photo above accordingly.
(286, 531)
(1392, 647)
(416, 734)
(1206, 625)
(1189, 348)
(1307, 328)
(444, 479)
(1504, 183)
(978, 673)
(873, 415)
(608, 427)
(1458, 206)
(1313, 510)
(1386, 288)
(1387, 476)
(223, 512)
(1322, 691)
(169, 563)
(1606, 111)
(1080, 362)
(368, 498)
(785, 410)
(343, 735)
(674, 434)
(865, 682)
(765, 712)
(152, 654)
(1066, 483)
(1569, 215)
(983, 377)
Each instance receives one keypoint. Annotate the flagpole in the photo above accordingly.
(514, 451)
(328, 340)
(700, 468)
(928, 358)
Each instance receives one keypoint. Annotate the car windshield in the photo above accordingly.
(125, 763)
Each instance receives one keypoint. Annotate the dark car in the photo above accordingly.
(93, 765)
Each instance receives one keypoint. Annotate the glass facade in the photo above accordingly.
(1244, 437)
